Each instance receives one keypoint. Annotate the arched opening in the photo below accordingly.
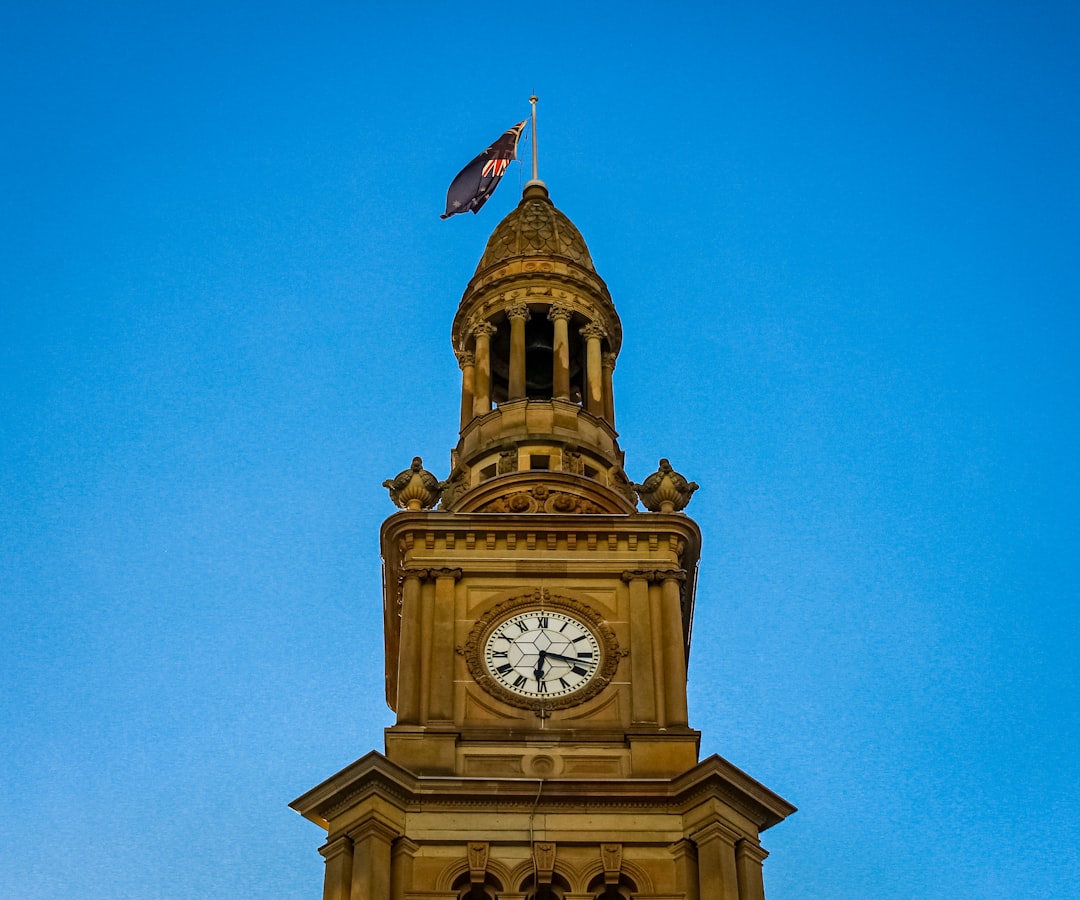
(556, 890)
(539, 359)
(623, 890)
(467, 890)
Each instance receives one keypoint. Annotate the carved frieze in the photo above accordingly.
(540, 499)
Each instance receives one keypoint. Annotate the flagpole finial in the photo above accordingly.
(533, 100)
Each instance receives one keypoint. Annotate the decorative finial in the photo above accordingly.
(665, 490)
(415, 488)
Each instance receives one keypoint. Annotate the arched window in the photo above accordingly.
(489, 890)
(624, 890)
(554, 891)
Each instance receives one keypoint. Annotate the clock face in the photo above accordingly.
(542, 653)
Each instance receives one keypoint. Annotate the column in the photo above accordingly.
(518, 316)
(467, 364)
(441, 685)
(371, 861)
(401, 866)
(749, 855)
(607, 363)
(594, 382)
(482, 377)
(674, 646)
(338, 854)
(717, 876)
(560, 371)
(659, 649)
(408, 681)
(686, 871)
(643, 698)
(423, 663)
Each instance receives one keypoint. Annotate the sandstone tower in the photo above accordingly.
(537, 630)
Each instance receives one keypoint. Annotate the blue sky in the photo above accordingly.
(842, 240)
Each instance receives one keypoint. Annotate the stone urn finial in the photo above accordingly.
(415, 488)
(665, 490)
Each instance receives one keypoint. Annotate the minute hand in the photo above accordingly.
(572, 659)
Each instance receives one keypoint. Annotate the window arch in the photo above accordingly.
(624, 890)
(466, 890)
(556, 890)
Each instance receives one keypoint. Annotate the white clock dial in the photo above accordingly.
(542, 653)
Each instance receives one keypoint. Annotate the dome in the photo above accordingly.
(535, 228)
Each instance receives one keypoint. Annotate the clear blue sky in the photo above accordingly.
(843, 241)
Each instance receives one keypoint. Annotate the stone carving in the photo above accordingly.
(544, 861)
(484, 328)
(618, 481)
(560, 312)
(518, 311)
(508, 461)
(465, 358)
(665, 490)
(453, 487)
(415, 488)
(572, 462)
(607, 360)
(611, 857)
(593, 330)
(540, 499)
(478, 859)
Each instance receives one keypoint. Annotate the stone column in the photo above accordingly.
(674, 646)
(518, 316)
(717, 877)
(749, 855)
(401, 866)
(659, 650)
(423, 661)
(643, 699)
(560, 371)
(338, 854)
(607, 363)
(408, 685)
(441, 685)
(371, 861)
(594, 381)
(467, 364)
(686, 871)
(482, 377)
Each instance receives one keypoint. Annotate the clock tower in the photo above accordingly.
(537, 628)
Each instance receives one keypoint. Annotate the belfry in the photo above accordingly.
(537, 630)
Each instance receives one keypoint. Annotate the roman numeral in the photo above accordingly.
(542, 621)
(499, 653)
(578, 670)
(575, 640)
(586, 655)
(564, 682)
(541, 687)
(505, 669)
(520, 681)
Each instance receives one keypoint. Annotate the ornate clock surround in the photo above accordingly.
(541, 600)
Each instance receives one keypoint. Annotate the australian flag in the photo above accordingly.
(478, 180)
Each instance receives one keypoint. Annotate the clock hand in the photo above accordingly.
(539, 670)
(572, 659)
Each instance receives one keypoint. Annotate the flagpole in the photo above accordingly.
(535, 169)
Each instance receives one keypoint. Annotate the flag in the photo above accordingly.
(478, 180)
